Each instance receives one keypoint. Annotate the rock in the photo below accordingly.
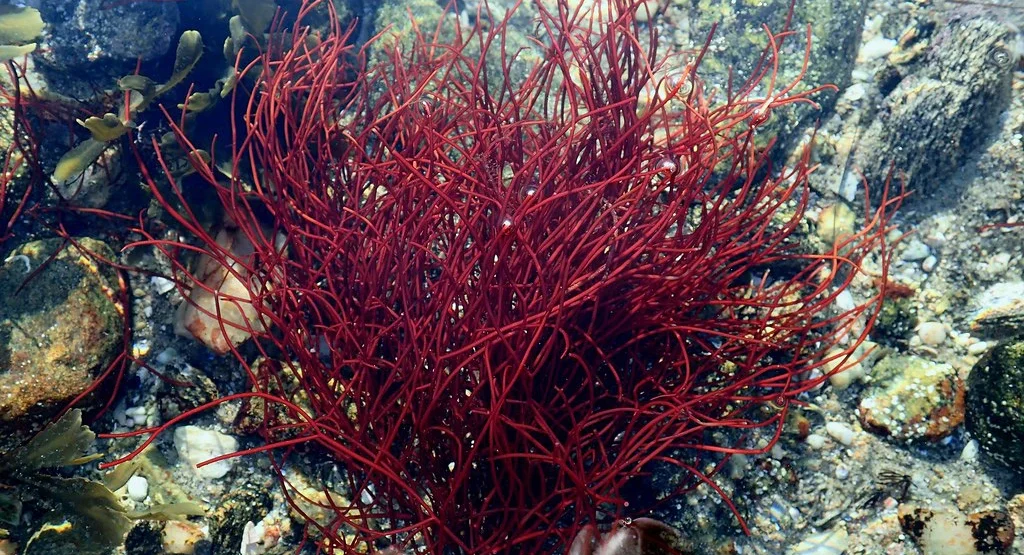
(948, 532)
(995, 403)
(913, 399)
(828, 542)
(967, 80)
(82, 32)
(138, 488)
(739, 39)
(58, 333)
(233, 512)
(932, 334)
(999, 310)
(196, 445)
(895, 322)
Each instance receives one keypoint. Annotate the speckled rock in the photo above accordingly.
(739, 40)
(995, 403)
(81, 32)
(913, 399)
(247, 504)
(935, 118)
(57, 333)
(948, 532)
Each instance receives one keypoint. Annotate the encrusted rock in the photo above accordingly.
(739, 39)
(58, 331)
(948, 532)
(80, 32)
(999, 310)
(935, 118)
(995, 403)
(913, 399)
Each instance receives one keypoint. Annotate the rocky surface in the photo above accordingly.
(58, 330)
(942, 113)
(995, 403)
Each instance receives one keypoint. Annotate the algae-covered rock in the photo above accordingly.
(995, 403)
(58, 331)
(82, 32)
(740, 38)
(913, 399)
(935, 118)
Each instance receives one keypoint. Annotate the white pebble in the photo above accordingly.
(842, 472)
(161, 284)
(970, 451)
(929, 263)
(196, 445)
(815, 441)
(977, 348)
(138, 488)
(841, 432)
(855, 92)
(878, 47)
(931, 333)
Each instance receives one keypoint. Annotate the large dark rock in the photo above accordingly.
(995, 403)
(58, 331)
(82, 32)
(934, 119)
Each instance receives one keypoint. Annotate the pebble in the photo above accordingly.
(977, 348)
(878, 47)
(138, 488)
(915, 251)
(841, 432)
(195, 445)
(161, 284)
(929, 263)
(931, 333)
(970, 451)
(842, 472)
(815, 441)
(828, 542)
(855, 92)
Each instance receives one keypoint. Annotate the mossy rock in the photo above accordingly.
(58, 331)
(895, 322)
(740, 38)
(995, 403)
(913, 399)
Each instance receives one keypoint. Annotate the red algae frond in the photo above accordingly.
(507, 300)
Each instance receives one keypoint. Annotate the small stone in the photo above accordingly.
(162, 284)
(915, 251)
(977, 348)
(970, 451)
(876, 48)
(841, 433)
(138, 488)
(930, 263)
(181, 536)
(815, 441)
(828, 542)
(931, 333)
(196, 445)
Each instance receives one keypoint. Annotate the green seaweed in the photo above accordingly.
(142, 91)
(8, 52)
(19, 25)
(76, 511)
